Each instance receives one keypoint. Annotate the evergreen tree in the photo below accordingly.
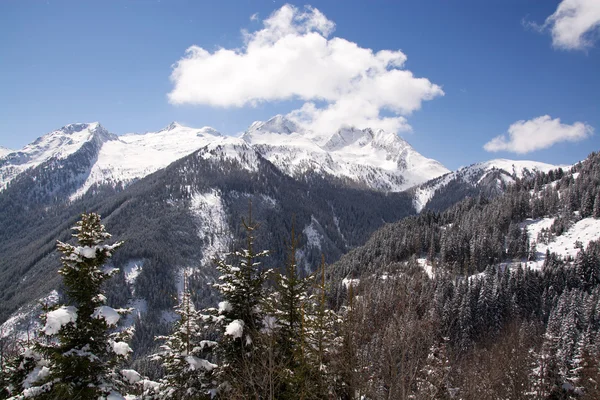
(290, 300)
(241, 317)
(433, 382)
(188, 374)
(321, 336)
(78, 351)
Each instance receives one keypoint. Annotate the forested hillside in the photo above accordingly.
(463, 304)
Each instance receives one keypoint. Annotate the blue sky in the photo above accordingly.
(111, 61)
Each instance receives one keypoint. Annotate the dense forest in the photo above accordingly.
(491, 317)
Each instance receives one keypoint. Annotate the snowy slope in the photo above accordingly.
(133, 156)
(583, 231)
(476, 173)
(56, 145)
(377, 160)
(4, 151)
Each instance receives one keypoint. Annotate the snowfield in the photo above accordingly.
(584, 231)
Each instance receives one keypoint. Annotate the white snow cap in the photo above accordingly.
(110, 315)
(56, 319)
(235, 329)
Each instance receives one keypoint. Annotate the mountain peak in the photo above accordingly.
(172, 126)
(4, 151)
(79, 127)
(278, 124)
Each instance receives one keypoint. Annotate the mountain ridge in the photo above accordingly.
(360, 157)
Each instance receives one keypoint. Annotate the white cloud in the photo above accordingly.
(574, 25)
(254, 17)
(293, 58)
(538, 133)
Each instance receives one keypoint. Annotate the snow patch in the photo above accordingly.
(583, 231)
(58, 318)
(199, 364)
(313, 236)
(347, 282)
(25, 319)
(109, 314)
(121, 348)
(235, 329)
(132, 270)
(211, 221)
(427, 267)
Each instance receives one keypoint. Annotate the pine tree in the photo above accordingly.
(290, 300)
(79, 350)
(321, 335)
(596, 208)
(433, 382)
(188, 374)
(241, 316)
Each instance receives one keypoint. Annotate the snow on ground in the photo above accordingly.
(4, 151)
(475, 173)
(380, 160)
(427, 267)
(210, 216)
(132, 270)
(139, 306)
(584, 231)
(312, 234)
(424, 194)
(347, 282)
(25, 320)
(57, 144)
(134, 156)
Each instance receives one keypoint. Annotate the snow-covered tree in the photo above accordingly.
(289, 301)
(241, 316)
(183, 355)
(320, 332)
(79, 349)
(434, 380)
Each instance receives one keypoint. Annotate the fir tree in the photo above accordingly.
(241, 316)
(290, 300)
(433, 382)
(79, 351)
(188, 374)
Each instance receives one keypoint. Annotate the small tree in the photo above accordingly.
(240, 318)
(183, 355)
(78, 350)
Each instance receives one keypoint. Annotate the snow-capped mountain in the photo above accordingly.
(57, 145)
(364, 158)
(133, 156)
(4, 151)
(377, 160)
(494, 174)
